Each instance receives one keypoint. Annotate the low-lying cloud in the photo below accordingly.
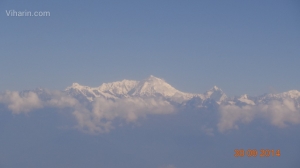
(105, 111)
(96, 117)
(102, 115)
(18, 104)
(276, 112)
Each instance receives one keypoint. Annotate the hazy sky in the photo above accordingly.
(242, 47)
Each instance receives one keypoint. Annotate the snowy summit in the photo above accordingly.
(154, 87)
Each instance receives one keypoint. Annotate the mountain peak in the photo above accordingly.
(75, 85)
(244, 99)
(216, 94)
(118, 88)
(215, 88)
(153, 78)
(154, 86)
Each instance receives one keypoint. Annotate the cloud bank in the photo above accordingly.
(21, 103)
(102, 115)
(97, 117)
(278, 113)
(104, 112)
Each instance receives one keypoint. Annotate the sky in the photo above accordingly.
(242, 47)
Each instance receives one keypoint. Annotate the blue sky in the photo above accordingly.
(242, 47)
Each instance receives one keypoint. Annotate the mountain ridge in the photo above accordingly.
(154, 87)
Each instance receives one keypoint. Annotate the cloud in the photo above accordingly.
(89, 124)
(102, 115)
(59, 99)
(21, 103)
(279, 113)
(25, 102)
(96, 117)
(104, 112)
(231, 114)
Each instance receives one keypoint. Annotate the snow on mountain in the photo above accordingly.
(154, 86)
(293, 94)
(244, 99)
(115, 90)
(150, 87)
(216, 94)
(118, 88)
(158, 88)
(78, 90)
(112, 90)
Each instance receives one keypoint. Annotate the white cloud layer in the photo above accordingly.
(104, 111)
(95, 118)
(18, 104)
(60, 100)
(278, 113)
(101, 115)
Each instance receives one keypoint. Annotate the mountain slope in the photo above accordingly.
(150, 87)
(153, 87)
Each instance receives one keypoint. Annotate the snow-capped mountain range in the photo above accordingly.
(154, 87)
(150, 87)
